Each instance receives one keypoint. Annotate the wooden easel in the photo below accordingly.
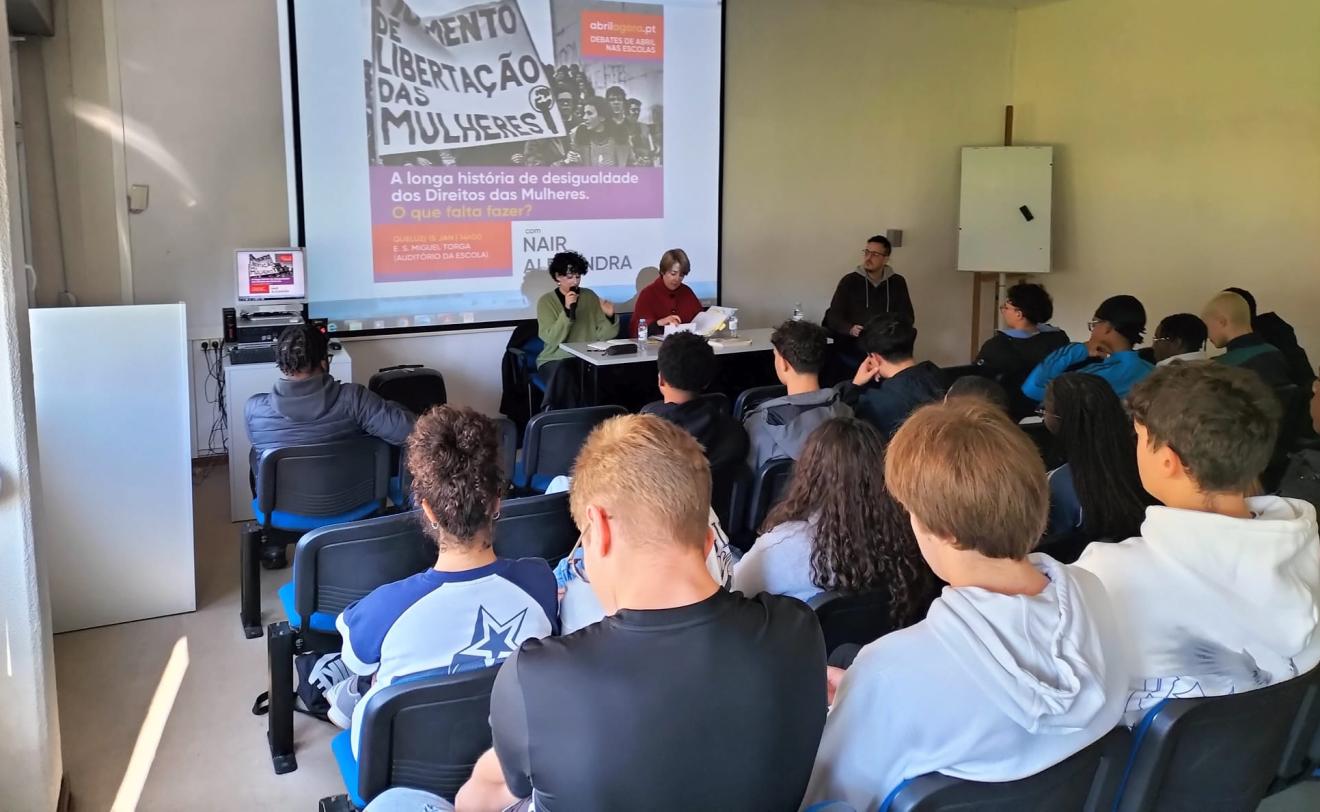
(1000, 280)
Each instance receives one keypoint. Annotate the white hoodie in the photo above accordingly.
(1211, 605)
(988, 687)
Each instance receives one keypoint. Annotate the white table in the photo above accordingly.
(648, 351)
(242, 381)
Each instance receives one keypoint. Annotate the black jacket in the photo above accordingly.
(723, 438)
(857, 301)
(1254, 353)
(886, 405)
(1009, 360)
(1281, 334)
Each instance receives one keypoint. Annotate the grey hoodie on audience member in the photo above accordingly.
(321, 410)
(780, 426)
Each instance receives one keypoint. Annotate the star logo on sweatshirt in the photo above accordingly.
(492, 641)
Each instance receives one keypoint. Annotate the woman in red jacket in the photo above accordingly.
(667, 300)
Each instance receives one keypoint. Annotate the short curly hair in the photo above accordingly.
(568, 262)
(301, 348)
(686, 362)
(802, 344)
(453, 456)
(1033, 301)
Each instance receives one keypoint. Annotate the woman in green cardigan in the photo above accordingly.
(564, 315)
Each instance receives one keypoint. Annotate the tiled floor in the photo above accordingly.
(211, 753)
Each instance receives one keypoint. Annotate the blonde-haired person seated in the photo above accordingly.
(1017, 665)
(686, 696)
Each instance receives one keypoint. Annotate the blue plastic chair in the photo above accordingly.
(1087, 781)
(424, 731)
(302, 488)
(333, 567)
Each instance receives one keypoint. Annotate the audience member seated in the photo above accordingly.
(1097, 494)
(307, 406)
(566, 315)
(471, 610)
(687, 696)
(1228, 322)
(686, 366)
(1023, 342)
(1302, 478)
(1221, 591)
(882, 291)
(1116, 329)
(974, 386)
(578, 606)
(668, 301)
(888, 342)
(1271, 327)
(1180, 337)
(1017, 665)
(838, 529)
(779, 426)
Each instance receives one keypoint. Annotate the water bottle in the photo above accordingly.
(641, 330)
(733, 325)
(797, 312)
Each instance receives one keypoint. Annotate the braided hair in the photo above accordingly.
(1096, 437)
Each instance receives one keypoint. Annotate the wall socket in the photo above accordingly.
(208, 344)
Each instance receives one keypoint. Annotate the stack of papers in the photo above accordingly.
(709, 322)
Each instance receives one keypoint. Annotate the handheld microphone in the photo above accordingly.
(572, 309)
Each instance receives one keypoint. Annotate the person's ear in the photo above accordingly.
(710, 542)
(601, 535)
(426, 510)
(660, 380)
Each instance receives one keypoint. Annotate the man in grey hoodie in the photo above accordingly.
(308, 406)
(1018, 664)
(779, 427)
(872, 289)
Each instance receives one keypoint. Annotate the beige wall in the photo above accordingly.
(1187, 151)
(844, 118)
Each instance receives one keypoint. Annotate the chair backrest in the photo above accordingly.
(553, 438)
(325, 479)
(1084, 782)
(952, 374)
(749, 399)
(508, 433)
(852, 619)
(336, 565)
(625, 321)
(729, 486)
(412, 386)
(1301, 752)
(720, 400)
(1217, 754)
(535, 527)
(425, 731)
(768, 486)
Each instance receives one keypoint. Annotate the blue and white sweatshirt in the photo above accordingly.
(449, 621)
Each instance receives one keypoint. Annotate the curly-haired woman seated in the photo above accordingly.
(471, 610)
(838, 528)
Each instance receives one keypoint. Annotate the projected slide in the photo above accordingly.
(497, 134)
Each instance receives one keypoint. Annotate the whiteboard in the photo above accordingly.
(994, 235)
(115, 517)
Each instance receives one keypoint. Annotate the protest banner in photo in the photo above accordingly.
(449, 74)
